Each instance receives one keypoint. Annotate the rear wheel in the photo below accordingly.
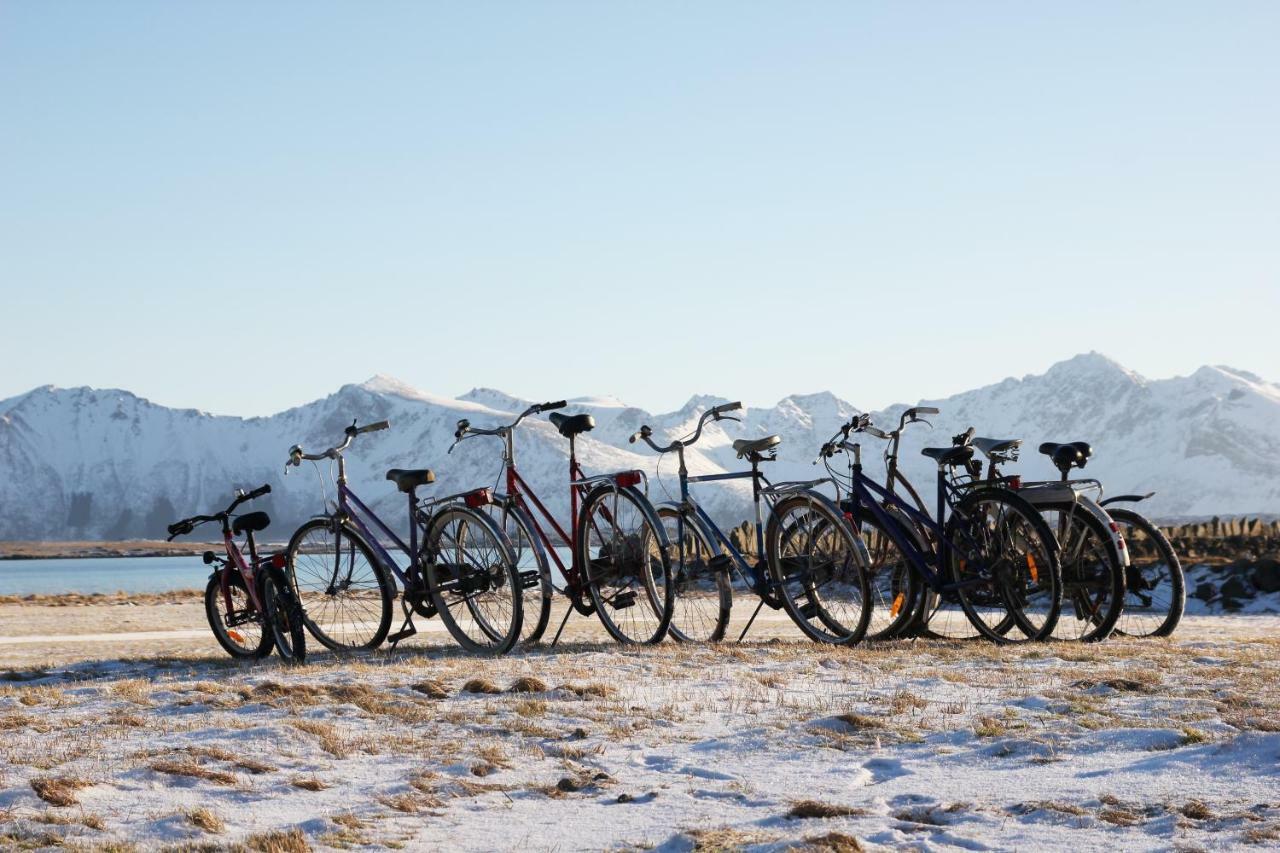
(240, 630)
(284, 616)
(703, 595)
(894, 586)
(1092, 573)
(345, 593)
(623, 553)
(1155, 594)
(819, 569)
(472, 578)
(1004, 566)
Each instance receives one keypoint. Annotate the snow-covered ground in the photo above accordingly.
(769, 745)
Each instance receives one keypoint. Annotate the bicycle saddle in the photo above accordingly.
(745, 447)
(250, 521)
(957, 455)
(1067, 456)
(997, 446)
(571, 425)
(408, 479)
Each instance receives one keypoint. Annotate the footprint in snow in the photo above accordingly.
(884, 769)
(665, 764)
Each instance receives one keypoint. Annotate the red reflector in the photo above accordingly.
(478, 498)
(625, 479)
(279, 561)
(1015, 482)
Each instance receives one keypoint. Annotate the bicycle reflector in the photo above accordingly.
(1015, 482)
(626, 479)
(478, 498)
(279, 560)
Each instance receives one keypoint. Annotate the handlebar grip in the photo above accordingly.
(644, 432)
(925, 410)
(373, 427)
(727, 407)
(259, 492)
(179, 527)
(558, 404)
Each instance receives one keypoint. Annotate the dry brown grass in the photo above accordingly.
(310, 783)
(528, 684)
(431, 688)
(860, 722)
(833, 842)
(1118, 816)
(817, 809)
(58, 790)
(594, 690)
(207, 820)
(330, 740)
(726, 839)
(481, 685)
(278, 841)
(187, 766)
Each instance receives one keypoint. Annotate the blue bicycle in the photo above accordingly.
(807, 561)
(985, 549)
(460, 565)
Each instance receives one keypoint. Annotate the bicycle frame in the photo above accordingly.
(745, 568)
(351, 508)
(247, 569)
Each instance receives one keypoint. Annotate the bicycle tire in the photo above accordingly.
(530, 556)
(330, 615)
(248, 648)
(476, 583)
(1006, 590)
(283, 614)
(1144, 577)
(619, 576)
(1093, 574)
(703, 594)
(818, 586)
(894, 584)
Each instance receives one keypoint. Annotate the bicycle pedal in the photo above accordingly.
(721, 563)
(623, 600)
(529, 579)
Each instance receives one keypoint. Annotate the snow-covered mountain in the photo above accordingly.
(86, 463)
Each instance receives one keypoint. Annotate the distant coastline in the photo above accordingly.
(16, 550)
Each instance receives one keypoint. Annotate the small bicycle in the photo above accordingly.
(250, 604)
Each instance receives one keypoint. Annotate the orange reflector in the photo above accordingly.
(236, 635)
(1035, 571)
(897, 605)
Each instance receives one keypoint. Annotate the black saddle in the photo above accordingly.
(571, 425)
(1067, 456)
(745, 447)
(408, 479)
(250, 522)
(997, 446)
(957, 455)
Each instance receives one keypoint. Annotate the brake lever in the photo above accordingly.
(719, 417)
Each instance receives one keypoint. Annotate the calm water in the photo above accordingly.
(102, 574)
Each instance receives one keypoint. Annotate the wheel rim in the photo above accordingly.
(624, 565)
(697, 613)
(338, 587)
(820, 573)
(471, 567)
(247, 637)
(1150, 594)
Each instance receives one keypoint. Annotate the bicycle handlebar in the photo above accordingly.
(373, 427)
(466, 430)
(186, 525)
(297, 455)
(716, 412)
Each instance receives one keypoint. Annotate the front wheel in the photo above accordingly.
(1156, 590)
(1092, 573)
(1004, 566)
(345, 593)
(284, 616)
(623, 554)
(533, 567)
(819, 568)
(237, 625)
(703, 595)
(472, 578)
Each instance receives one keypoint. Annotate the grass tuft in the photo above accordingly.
(58, 790)
(816, 809)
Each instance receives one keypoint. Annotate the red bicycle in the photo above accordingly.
(250, 603)
(618, 566)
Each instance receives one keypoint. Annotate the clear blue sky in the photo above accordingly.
(239, 206)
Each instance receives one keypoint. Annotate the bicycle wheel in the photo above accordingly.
(1156, 589)
(472, 579)
(703, 597)
(1004, 566)
(623, 553)
(1092, 573)
(239, 630)
(344, 591)
(819, 569)
(895, 587)
(283, 616)
(530, 556)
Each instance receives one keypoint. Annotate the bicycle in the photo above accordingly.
(808, 561)
(250, 604)
(987, 551)
(619, 564)
(1091, 548)
(462, 569)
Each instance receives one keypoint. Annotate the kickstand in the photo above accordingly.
(567, 613)
(751, 621)
(408, 629)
